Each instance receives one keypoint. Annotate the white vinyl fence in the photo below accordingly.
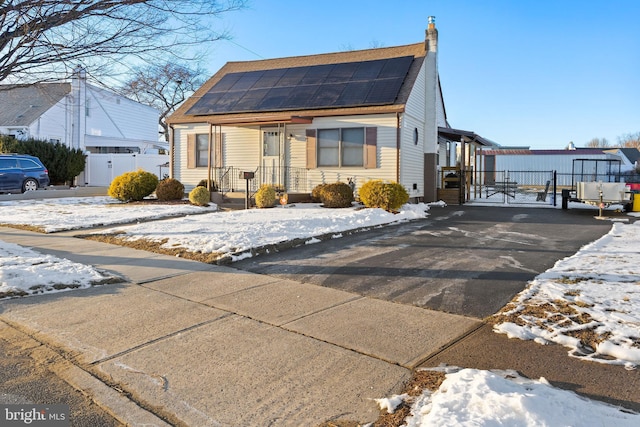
(101, 169)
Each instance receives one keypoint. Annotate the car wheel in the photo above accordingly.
(30, 185)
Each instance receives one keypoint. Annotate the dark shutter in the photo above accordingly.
(191, 151)
(312, 161)
(218, 139)
(371, 148)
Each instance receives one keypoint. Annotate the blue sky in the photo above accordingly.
(532, 73)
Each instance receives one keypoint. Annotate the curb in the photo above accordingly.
(109, 399)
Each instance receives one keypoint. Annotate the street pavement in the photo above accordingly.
(185, 343)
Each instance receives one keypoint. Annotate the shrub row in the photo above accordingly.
(135, 186)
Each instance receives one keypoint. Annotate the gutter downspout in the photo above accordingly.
(398, 147)
(171, 150)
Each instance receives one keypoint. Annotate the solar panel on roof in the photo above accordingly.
(328, 94)
(342, 72)
(274, 99)
(246, 81)
(269, 78)
(354, 93)
(225, 83)
(368, 70)
(384, 90)
(301, 96)
(316, 74)
(251, 98)
(292, 76)
(395, 68)
(347, 84)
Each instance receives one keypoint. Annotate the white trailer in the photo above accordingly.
(597, 183)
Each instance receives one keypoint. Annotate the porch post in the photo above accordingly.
(209, 150)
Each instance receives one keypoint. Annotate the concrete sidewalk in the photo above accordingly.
(197, 344)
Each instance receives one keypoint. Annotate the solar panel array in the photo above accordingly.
(348, 84)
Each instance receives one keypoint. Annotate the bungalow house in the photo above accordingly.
(110, 128)
(298, 122)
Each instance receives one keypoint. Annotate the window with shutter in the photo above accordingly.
(198, 149)
(342, 147)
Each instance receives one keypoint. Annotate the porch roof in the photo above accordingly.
(459, 135)
(297, 89)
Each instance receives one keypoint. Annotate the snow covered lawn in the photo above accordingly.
(238, 234)
(472, 397)
(26, 272)
(72, 213)
(589, 302)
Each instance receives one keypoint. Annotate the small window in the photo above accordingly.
(87, 107)
(202, 150)
(416, 137)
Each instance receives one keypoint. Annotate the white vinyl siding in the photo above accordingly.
(412, 156)
(188, 177)
(242, 147)
(386, 150)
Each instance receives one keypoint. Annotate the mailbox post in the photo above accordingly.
(247, 177)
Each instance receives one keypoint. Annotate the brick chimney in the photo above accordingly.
(431, 39)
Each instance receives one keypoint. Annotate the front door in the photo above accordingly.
(271, 157)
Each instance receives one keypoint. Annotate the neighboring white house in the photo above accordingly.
(117, 133)
(298, 122)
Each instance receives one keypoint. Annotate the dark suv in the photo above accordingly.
(22, 172)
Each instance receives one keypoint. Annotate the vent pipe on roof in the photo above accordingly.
(431, 39)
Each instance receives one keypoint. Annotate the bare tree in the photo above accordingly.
(44, 39)
(629, 140)
(598, 143)
(163, 87)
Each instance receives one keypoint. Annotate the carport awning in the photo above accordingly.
(459, 135)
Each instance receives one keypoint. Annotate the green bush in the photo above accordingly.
(316, 193)
(336, 195)
(133, 186)
(212, 184)
(169, 189)
(265, 196)
(388, 196)
(62, 162)
(200, 196)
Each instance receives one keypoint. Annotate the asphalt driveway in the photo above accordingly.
(468, 260)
